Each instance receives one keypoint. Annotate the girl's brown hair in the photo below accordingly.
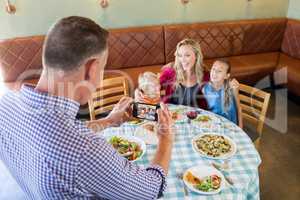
(227, 90)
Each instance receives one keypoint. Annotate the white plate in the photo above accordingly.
(134, 122)
(149, 137)
(213, 123)
(224, 156)
(202, 172)
(181, 117)
(211, 120)
(132, 139)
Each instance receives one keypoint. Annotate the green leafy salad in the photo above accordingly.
(129, 149)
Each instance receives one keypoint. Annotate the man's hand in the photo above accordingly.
(165, 123)
(166, 137)
(121, 112)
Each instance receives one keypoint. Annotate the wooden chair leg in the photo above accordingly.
(257, 143)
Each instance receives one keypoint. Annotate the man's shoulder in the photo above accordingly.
(8, 94)
(87, 135)
(8, 100)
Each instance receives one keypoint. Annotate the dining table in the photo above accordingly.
(241, 168)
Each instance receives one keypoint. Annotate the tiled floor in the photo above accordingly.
(280, 169)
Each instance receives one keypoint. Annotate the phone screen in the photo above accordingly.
(145, 111)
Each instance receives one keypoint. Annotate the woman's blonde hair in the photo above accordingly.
(198, 66)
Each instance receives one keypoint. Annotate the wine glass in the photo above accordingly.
(192, 114)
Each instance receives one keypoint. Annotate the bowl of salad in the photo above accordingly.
(204, 180)
(130, 147)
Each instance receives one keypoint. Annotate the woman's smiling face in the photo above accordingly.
(186, 57)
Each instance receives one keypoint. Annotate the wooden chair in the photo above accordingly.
(254, 103)
(107, 95)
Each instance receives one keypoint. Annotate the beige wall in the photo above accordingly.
(35, 16)
(294, 9)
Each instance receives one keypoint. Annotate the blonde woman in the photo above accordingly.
(182, 80)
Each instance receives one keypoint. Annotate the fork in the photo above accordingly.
(180, 177)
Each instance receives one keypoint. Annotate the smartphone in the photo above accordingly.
(145, 111)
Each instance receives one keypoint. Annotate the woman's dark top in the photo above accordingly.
(181, 95)
(188, 96)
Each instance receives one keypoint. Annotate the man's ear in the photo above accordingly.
(90, 69)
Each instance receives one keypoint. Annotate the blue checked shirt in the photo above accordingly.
(54, 156)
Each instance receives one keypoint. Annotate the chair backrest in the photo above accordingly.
(254, 103)
(107, 95)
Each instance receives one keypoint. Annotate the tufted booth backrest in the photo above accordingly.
(129, 47)
(21, 58)
(155, 45)
(291, 42)
(132, 47)
(221, 39)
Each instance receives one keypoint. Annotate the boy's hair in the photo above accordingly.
(147, 79)
(71, 41)
(227, 90)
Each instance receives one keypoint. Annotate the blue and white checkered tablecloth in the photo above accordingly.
(243, 165)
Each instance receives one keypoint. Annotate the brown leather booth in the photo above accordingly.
(290, 55)
(254, 47)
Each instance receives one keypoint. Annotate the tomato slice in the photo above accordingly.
(215, 181)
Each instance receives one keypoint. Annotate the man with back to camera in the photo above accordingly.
(54, 156)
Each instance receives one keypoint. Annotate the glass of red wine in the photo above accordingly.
(191, 115)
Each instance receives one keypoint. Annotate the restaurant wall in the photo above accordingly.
(294, 9)
(35, 16)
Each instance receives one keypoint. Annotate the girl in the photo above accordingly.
(148, 90)
(221, 98)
